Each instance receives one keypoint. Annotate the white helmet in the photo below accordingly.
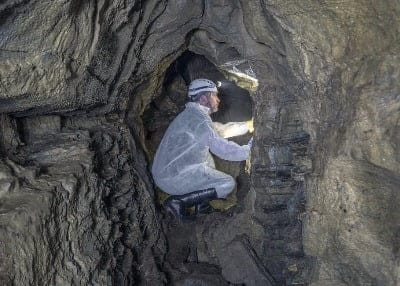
(200, 85)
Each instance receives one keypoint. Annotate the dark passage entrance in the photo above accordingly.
(184, 248)
(263, 219)
(236, 104)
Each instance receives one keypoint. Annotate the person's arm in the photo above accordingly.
(232, 129)
(227, 150)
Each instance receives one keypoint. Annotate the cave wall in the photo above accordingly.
(325, 163)
(74, 210)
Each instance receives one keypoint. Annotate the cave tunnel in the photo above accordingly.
(235, 106)
(88, 88)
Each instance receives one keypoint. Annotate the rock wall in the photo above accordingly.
(74, 210)
(77, 201)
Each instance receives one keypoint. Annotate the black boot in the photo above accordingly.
(204, 208)
(177, 205)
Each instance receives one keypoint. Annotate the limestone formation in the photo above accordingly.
(87, 89)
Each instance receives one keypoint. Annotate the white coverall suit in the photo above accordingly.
(183, 163)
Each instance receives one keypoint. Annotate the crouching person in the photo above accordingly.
(183, 166)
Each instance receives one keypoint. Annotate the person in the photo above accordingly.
(183, 166)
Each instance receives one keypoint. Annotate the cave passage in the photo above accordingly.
(236, 105)
(275, 182)
(88, 88)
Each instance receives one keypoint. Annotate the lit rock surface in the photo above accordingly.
(83, 83)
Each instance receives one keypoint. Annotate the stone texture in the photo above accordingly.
(73, 208)
(243, 267)
(84, 54)
(319, 206)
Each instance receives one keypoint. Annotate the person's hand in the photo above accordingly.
(250, 143)
(250, 125)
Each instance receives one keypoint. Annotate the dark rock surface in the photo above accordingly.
(81, 82)
(74, 210)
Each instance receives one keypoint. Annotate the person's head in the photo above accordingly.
(204, 92)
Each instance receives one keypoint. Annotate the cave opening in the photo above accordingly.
(235, 106)
(184, 247)
(236, 103)
(262, 215)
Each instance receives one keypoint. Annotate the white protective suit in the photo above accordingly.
(183, 163)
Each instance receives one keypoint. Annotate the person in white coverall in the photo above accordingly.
(183, 166)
